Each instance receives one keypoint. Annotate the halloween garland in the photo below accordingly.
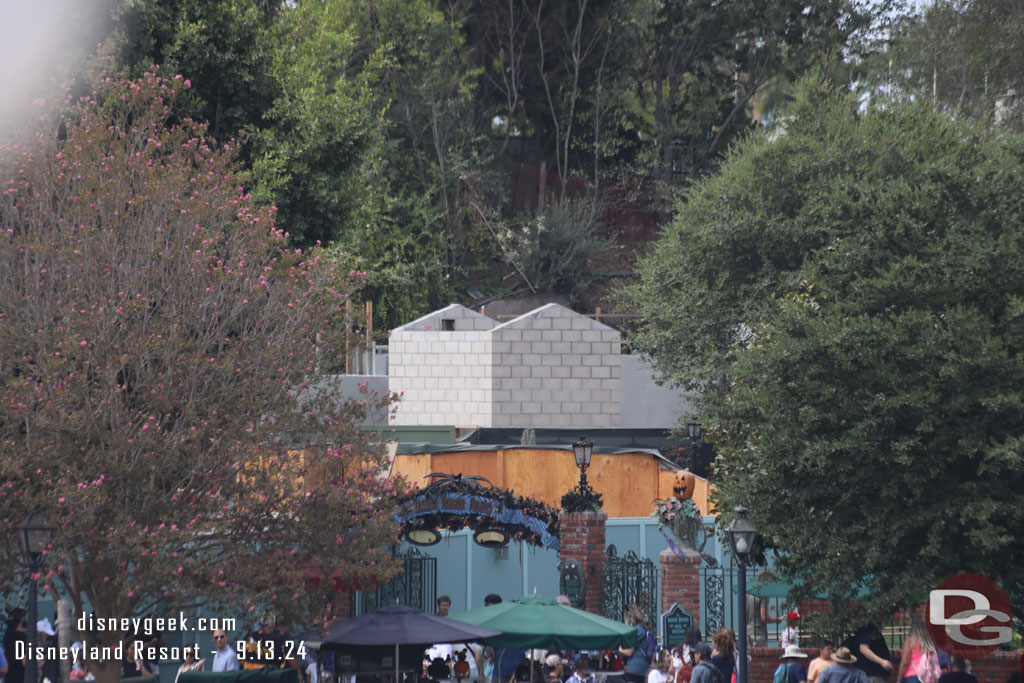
(454, 502)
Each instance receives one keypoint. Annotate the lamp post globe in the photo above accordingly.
(34, 535)
(694, 431)
(582, 451)
(741, 534)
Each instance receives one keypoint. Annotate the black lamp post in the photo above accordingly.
(34, 535)
(694, 430)
(582, 450)
(741, 535)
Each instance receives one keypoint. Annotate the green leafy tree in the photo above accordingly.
(316, 148)
(552, 249)
(436, 160)
(279, 78)
(224, 47)
(966, 55)
(845, 294)
(159, 395)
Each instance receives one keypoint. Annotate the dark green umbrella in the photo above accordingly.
(536, 621)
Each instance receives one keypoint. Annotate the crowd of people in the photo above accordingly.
(862, 658)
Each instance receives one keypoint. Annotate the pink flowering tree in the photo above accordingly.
(160, 399)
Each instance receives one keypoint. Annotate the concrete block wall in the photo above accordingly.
(645, 403)
(556, 368)
(444, 376)
(463, 320)
(550, 367)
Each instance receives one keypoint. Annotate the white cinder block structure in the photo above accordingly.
(550, 367)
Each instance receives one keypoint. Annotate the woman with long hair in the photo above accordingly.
(919, 662)
(684, 653)
(660, 667)
(724, 654)
(637, 663)
(190, 663)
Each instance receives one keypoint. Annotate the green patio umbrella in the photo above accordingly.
(780, 590)
(772, 589)
(538, 622)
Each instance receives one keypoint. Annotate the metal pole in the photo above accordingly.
(64, 637)
(741, 675)
(31, 666)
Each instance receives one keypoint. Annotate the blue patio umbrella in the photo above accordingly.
(401, 625)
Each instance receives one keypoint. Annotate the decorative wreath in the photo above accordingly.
(479, 486)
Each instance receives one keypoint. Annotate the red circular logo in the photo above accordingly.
(969, 616)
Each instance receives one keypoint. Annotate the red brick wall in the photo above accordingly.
(582, 539)
(995, 668)
(680, 581)
(343, 603)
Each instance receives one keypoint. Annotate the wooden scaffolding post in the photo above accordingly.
(348, 328)
(369, 336)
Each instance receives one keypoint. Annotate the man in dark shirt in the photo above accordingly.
(844, 671)
(270, 647)
(132, 666)
(505, 661)
(957, 672)
(704, 671)
(873, 657)
(15, 632)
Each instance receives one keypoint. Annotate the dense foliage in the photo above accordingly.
(158, 347)
(965, 55)
(846, 296)
(393, 130)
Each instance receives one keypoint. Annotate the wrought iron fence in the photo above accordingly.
(720, 606)
(415, 586)
(629, 580)
(767, 611)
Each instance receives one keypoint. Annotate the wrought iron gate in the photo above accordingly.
(719, 601)
(629, 580)
(415, 587)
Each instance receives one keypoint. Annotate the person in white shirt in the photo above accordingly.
(225, 658)
(658, 672)
(791, 634)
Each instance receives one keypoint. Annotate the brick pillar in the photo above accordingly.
(680, 581)
(342, 600)
(582, 539)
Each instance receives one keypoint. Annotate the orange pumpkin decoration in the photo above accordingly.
(684, 484)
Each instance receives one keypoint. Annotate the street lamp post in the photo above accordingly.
(582, 450)
(741, 535)
(33, 535)
(694, 430)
